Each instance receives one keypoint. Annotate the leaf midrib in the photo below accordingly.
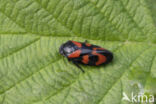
(65, 25)
(63, 36)
(119, 41)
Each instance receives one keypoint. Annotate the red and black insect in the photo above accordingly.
(85, 53)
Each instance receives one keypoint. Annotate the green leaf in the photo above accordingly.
(33, 72)
(152, 7)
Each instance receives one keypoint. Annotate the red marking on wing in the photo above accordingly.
(101, 58)
(75, 54)
(87, 44)
(98, 48)
(85, 59)
(77, 44)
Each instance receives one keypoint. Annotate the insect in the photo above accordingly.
(85, 53)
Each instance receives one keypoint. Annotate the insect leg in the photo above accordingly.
(78, 66)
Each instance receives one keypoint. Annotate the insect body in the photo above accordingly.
(85, 53)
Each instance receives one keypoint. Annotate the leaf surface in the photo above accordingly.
(33, 72)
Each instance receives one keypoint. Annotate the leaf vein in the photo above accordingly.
(66, 27)
(60, 90)
(42, 68)
(21, 48)
(118, 79)
(12, 20)
(67, 36)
